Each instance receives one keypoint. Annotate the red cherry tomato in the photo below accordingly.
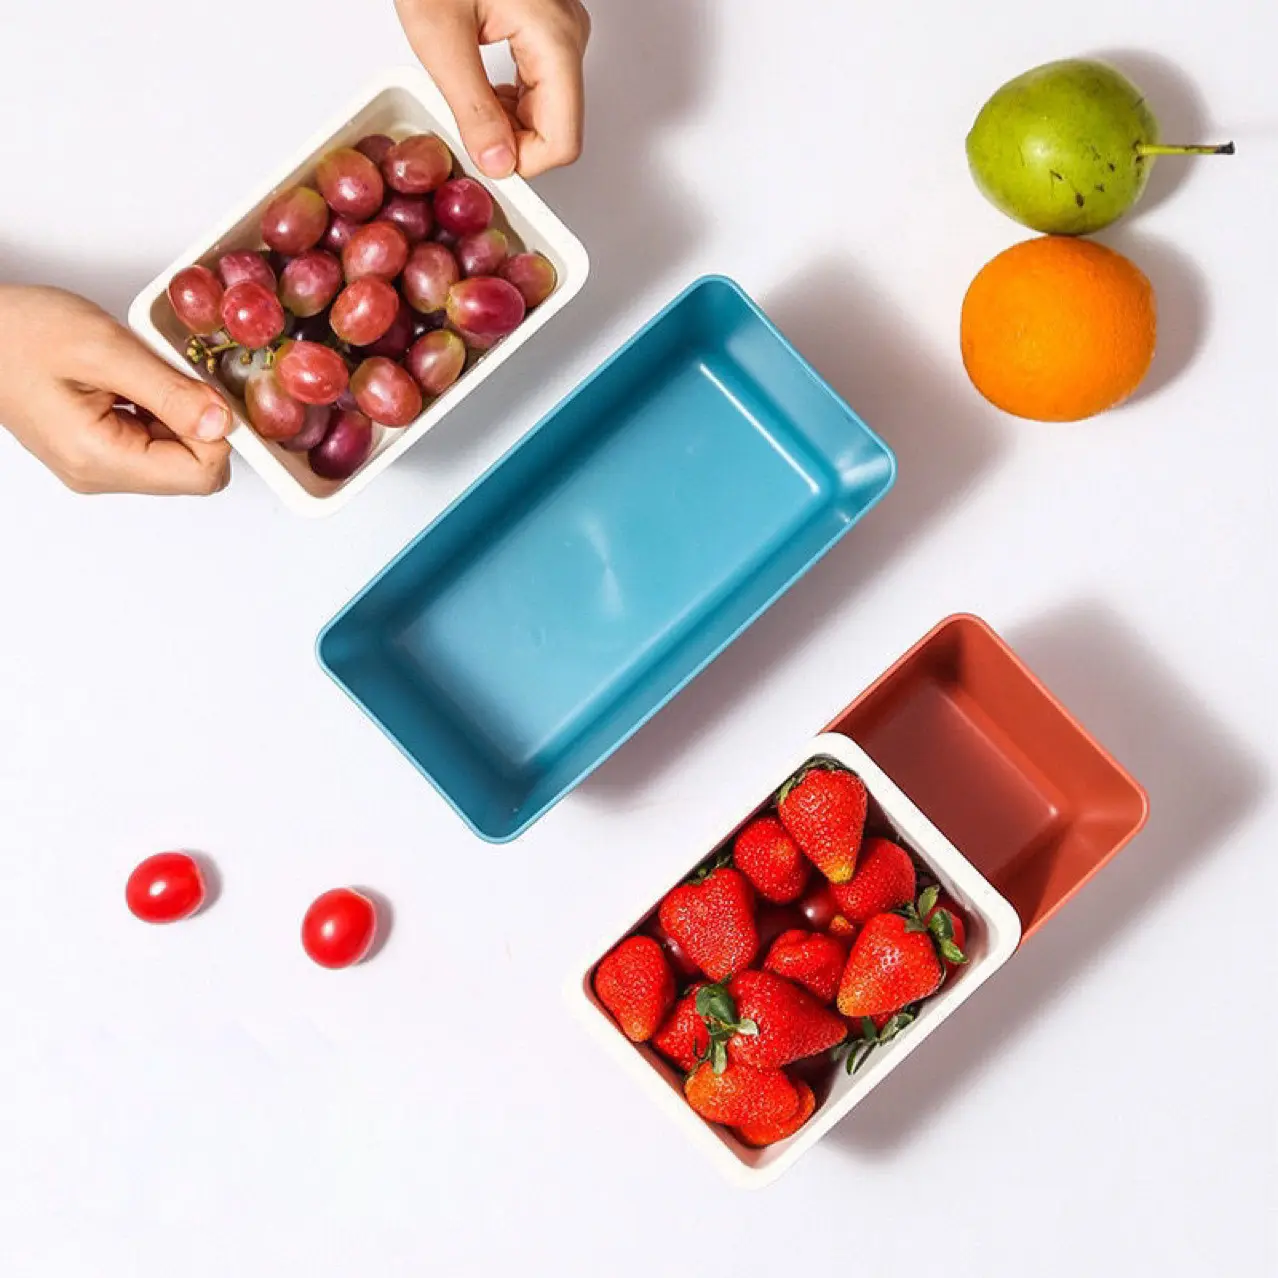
(165, 887)
(339, 927)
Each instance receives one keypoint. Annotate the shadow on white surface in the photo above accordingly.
(1202, 783)
(111, 284)
(944, 438)
(212, 880)
(1180, 110)
(645, 70)
(385, 921)
(1184, 305)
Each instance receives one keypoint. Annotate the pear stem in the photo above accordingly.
(1151, 148)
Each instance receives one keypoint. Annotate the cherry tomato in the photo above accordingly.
(165, 887)
(818, 907)
(339, 928)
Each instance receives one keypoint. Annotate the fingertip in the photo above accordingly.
(497, 160)
(213, 423)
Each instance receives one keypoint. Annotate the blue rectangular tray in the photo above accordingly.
(617, 549)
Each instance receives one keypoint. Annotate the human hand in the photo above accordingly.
(64, 367)
(531, 126)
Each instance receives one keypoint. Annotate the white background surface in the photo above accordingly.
(201, 1100)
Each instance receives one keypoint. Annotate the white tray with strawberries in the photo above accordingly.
(817, 944)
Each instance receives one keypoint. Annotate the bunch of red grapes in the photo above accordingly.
(371, 295)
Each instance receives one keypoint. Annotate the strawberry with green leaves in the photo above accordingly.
(759, 1019)
(898, 959)
(884, 880)
(741, 1095)
(773, 862)
(958, 930)
(635, 984)
(712, 920)
(812, 960)
(824, 809)
(683, 1039)
(872, 1031)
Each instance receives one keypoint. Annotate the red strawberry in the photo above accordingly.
(683, 1038)
(713, 920)
(742, 1095)
(768, 1132)
(958, 931)
(771, 860)
(842, 928)
(824, 810)
(776, 1022)
(635, 984)
(884, 880)
(896, 959)
(810, 959)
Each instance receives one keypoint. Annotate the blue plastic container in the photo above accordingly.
(617, 549)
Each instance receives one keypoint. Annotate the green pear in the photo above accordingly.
(1066, 148)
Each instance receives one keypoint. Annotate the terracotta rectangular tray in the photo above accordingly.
(999, 765)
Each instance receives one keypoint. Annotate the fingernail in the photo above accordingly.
(213, 423)
(498, 161)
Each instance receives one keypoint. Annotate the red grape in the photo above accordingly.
(274, 413)
(165, 887)
(417, 164)
(339, 928)
(236, 366)
(396, 339)
(411, 213)
(311, 328)
(346, 401)
(252, 314)
(482, 253)
(364, 311)
(463, 207)
(309, 282)
(385, 392)
(314, 429)
(233, 268)
(446, 238)
(350, 183)
(436, 360)
(311, 373)
(430, 272)
(338, 235)
(375, 146)
(484, 309)
(346, 446)
(428, 323)
(532, 274)
(376, 249)
(294, 220)
(196, 296)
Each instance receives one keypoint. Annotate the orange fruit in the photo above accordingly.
(1057, 329)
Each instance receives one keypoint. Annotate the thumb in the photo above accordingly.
(446, 39)
(189, 408)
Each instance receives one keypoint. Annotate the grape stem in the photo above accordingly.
(1144, 149)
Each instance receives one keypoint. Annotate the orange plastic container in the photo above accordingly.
(999, 765)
